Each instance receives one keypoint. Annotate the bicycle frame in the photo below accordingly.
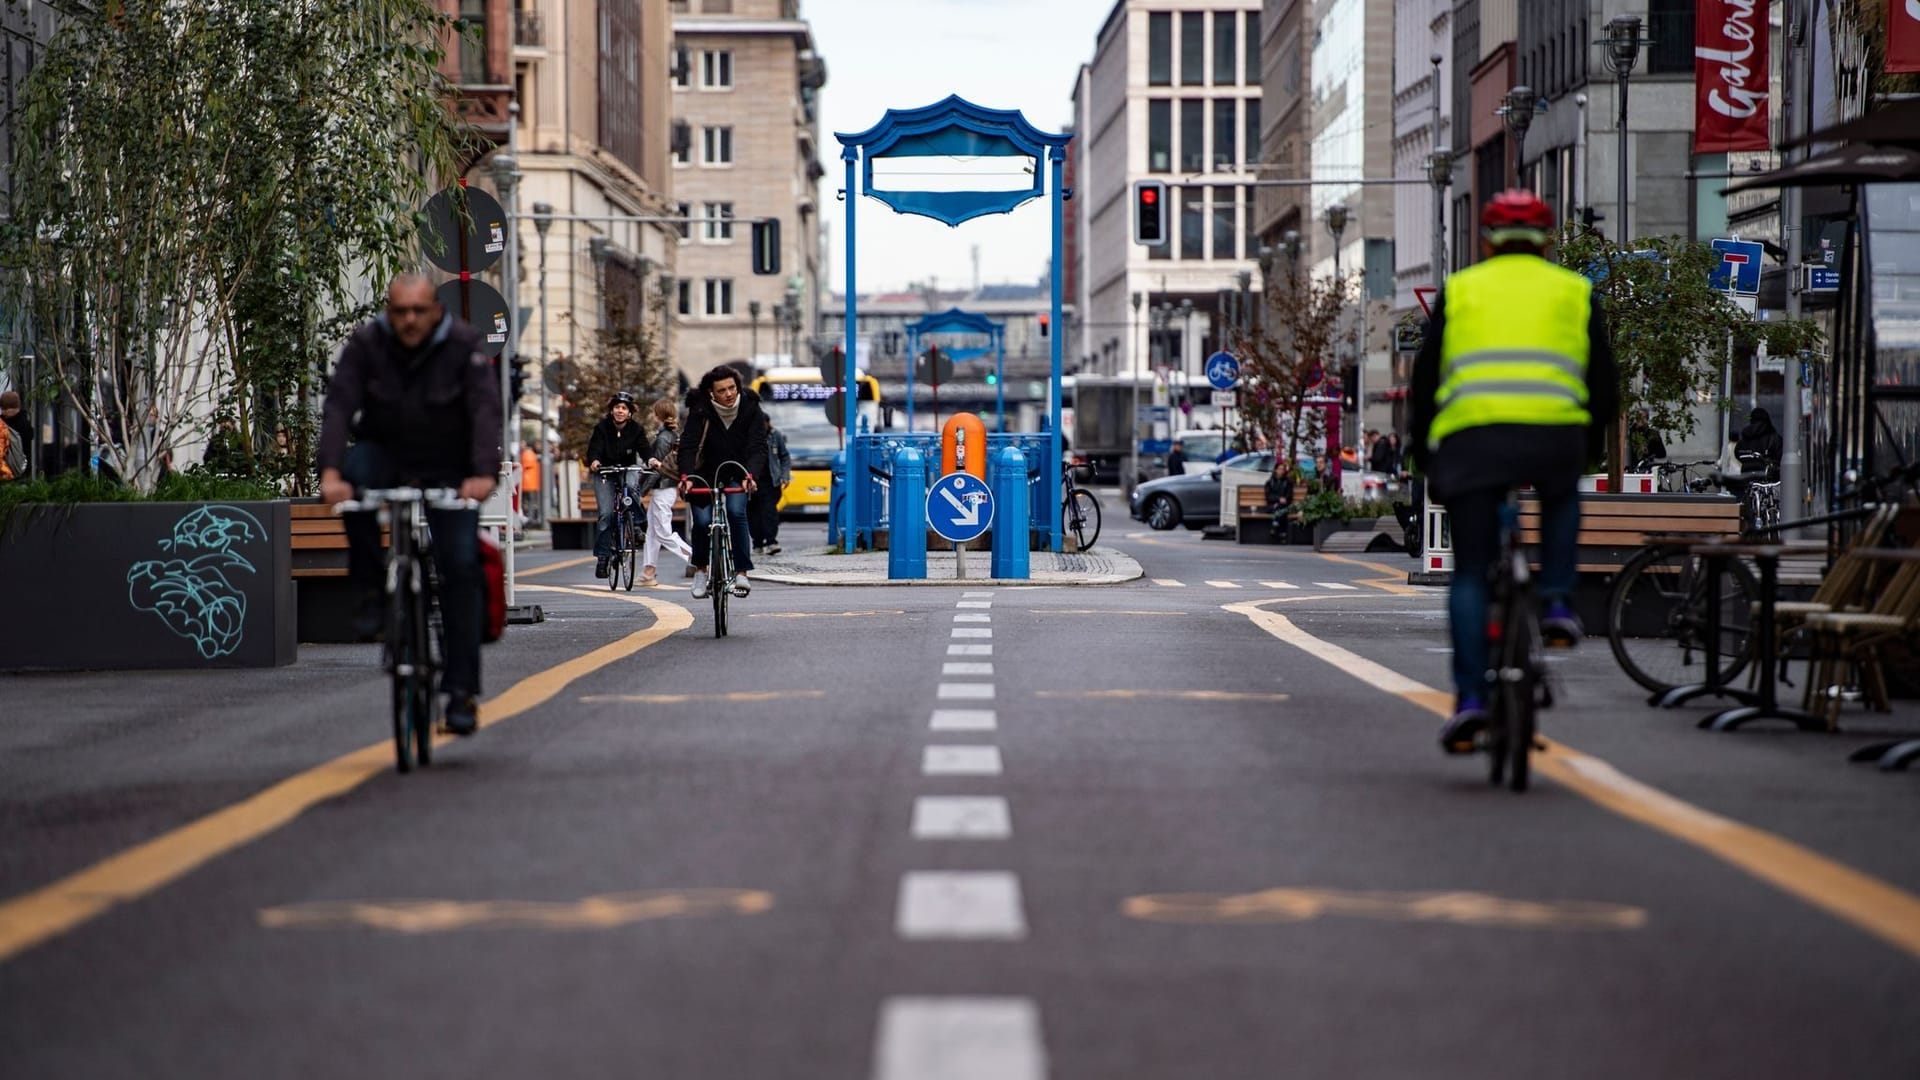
(629, 508)
(720, 574)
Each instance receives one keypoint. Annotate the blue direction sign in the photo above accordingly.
(1738, 271)
(1821, 279)
(960, 507)
(1223, 370)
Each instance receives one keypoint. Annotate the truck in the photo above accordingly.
(1102, 406)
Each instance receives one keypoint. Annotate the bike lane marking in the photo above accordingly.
(1881, 909)
(564, 564)
(35, 917)
(1391, 583)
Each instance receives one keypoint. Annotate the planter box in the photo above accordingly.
(105, 586)
(1324, 529)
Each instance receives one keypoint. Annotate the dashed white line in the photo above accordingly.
(1336, 585)
(976, 596)
(965, 691)
(1169, 583)
(961, 817)
(960, 761)
(963, 720)
(965, 905)
(974, 604)
(1226, 584)
(972, 617)
(972, 632)
(1279, 585)
(969, 650)
(959, 1038)
(966, 668)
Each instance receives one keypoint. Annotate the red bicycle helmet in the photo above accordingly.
(1516, 209)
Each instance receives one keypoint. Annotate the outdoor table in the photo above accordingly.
(1767, 707)
(1713, 556)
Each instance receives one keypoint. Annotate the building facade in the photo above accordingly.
(745, 108)
(1173, 93)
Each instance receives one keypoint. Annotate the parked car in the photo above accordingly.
(1192, 500)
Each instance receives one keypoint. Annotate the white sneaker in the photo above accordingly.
(740, 586)
(700, 585)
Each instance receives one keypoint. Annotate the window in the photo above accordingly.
(719, 296)
(473, 50)
(683, 296)
(717, 145)
(1160, 136)
(1250, 233)
(718, 223)
(1226, 129)
(683, 210)
(1224, 68)
(1193, 223)
(1224, 232)
(682, 70)
(1670, 25)
(1193, 48)
(1160, 49)
(1193, 132)
(716, 69)
(1253, 48)
(1253, 132)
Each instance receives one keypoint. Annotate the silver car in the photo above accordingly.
(1192, 500)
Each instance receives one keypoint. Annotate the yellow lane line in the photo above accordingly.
(564, 564)
(1887, 912)
(31, 919)
(1396, 585)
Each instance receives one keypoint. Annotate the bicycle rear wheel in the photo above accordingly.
(1657, 618)
(1082, 515)
(1519, 684)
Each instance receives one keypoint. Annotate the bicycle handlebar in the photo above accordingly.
(433, 498)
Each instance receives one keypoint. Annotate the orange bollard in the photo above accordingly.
(963, 445)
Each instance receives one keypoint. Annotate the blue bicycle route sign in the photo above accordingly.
(1223, 370)
(960, 507)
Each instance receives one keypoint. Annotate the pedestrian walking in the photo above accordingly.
(766, 501)
(664, 459)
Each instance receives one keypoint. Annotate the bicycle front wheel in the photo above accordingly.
(1081, 513)
(405, 658)
(1657, 623)
(630, 540)
(720, 579)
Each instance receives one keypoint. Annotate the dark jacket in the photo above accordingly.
(707, 443)
(1279, 490)
(1383, 458)
(434, 410)
(1176, 461)
(611, 446)
(666, 444)
(1507, 455)
(1759, 442)
(779, 460)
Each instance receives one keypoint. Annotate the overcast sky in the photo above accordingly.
(903, 54)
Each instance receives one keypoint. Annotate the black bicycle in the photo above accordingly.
(414, 650)
(629, 523)
(720, 569)
(1079, 509)
(1519, 672)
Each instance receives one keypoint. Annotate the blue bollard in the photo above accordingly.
(1007, 475)
(835, 493)
(907, 543)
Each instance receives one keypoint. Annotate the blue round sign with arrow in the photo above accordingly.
(960, 507)
(1223, 370)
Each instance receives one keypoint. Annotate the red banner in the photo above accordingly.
(1730, 76)
(1903, 35)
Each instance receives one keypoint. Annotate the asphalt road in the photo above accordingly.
(971, 833)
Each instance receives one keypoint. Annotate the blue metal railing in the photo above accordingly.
(870, 466)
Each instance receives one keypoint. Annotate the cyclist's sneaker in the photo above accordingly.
(1560, 628)
(700, 585)
(1464, 727)
(463, 714)
(600, 567)
(740, 586)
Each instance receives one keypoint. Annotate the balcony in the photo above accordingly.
(529, 30)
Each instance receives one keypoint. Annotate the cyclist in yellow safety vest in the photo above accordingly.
(1513, 387)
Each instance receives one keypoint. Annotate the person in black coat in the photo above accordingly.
(724, 445)
(618, 440)
(1760, 447)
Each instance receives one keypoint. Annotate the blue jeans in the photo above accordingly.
(1475, 520)
(456, 558)
(736, 524)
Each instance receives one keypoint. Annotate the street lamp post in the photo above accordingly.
(1336, 224)
(1623, 43)
(1133, 423)
(542, 222)
(1440, 174)
(1517, 111)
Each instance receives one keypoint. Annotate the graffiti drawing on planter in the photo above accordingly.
(194, 593)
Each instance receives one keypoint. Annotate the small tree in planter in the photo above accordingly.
(1284, 357)
(626, 354)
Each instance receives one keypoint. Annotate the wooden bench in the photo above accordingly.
(325, 597)
(1614, 527)
(1254, 516)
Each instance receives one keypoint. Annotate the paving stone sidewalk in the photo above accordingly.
(829, 566)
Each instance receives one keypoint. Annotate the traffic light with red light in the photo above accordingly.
(1150, 212)
(1045, 319)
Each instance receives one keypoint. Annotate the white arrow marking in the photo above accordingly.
(963, 513)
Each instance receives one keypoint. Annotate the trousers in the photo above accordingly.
(660, 529)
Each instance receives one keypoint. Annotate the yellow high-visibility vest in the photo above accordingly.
(1514, 347)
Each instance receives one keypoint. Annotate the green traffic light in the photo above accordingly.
(992, 378)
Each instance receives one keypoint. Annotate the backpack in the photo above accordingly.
(13, 463)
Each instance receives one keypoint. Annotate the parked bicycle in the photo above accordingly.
(414, 651)
(1658, 624)
(629, 523)
(720, 568)
(1079, 509)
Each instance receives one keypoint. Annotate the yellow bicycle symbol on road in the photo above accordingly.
(1287, 905)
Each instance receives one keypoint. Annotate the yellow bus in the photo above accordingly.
(795, 399)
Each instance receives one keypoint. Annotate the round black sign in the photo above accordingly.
(481, 306)
(476, 230)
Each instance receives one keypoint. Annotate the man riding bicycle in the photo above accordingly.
(1514, 384)
(724, 424)
(421, 402)
(617, 441)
